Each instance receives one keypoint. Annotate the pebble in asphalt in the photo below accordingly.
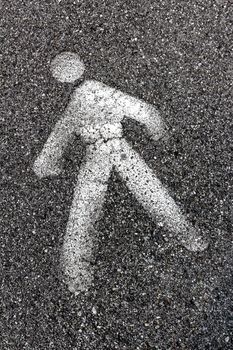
(148, 293)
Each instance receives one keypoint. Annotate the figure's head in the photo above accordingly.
(67, 67)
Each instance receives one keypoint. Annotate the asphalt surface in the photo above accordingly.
(149, 292)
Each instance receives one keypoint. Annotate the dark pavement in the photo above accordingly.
(149, 292)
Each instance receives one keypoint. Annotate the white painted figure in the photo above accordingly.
(95, 112)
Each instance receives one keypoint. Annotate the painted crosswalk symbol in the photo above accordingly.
(95, 112)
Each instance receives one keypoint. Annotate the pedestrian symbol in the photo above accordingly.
(95, 112)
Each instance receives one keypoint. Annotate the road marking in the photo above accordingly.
(95, 112)
(67, 67)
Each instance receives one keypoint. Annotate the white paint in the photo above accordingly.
(88, 199)
(67, 67)
(95, 112)
(154, 197)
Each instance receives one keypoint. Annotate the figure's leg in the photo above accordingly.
(88, 199)
(150, 192)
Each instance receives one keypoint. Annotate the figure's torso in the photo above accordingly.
(94, 133)
(97, 104)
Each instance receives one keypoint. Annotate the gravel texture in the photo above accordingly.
(148, 292)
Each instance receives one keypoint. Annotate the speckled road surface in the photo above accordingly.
(149, 292)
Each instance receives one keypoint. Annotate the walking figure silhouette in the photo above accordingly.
(95, 112)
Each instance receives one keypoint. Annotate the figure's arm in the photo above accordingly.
(48, 162)
(144, 113)
(150, 117)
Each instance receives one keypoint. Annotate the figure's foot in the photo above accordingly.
(80, 283)
(196, 245)
(194, 241)
(78, 276)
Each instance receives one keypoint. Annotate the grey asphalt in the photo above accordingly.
(149, 292)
